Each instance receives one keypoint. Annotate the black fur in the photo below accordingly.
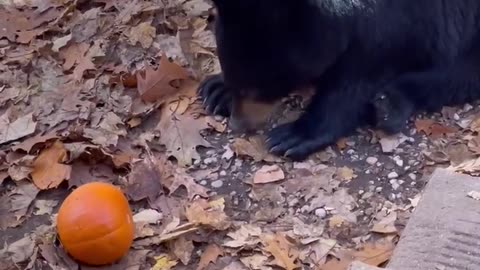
(368, 59)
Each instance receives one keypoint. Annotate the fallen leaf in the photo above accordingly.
(387, 224)
(433, 129)
(43, 207)
(372, 254)
(424, 125)
(268, 174)
(179, 177)
(19, 128)
(346, 174)
(181, 136)
(73, 54)
(256, 261)
(216, 125)
(21, 198)
(282, 250)
(142, 33)
(471, 166)
(209, 255)
(107, 132)
(164, 262)
(144, 181)
(375, 253)
(48, 171)
(154, 85)
(183, 249)
(253, 147)
(149, 216)
(391, 143)
(247, 236)
(20, 250)
(29, 143)
(208, 213)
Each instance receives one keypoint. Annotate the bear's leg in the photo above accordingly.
(426, 91)
(392, 111)
(330, 116)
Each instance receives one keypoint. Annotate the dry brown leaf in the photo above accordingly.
(14, 130)
(471, 167)
(29, 143)
(268, 174)
(247, 236)
(433, 129)
(183, 249)
(216, 125)
(176, 177)
(282, 250)
(386, 225)
(209, 255)
(390, 143)
(208, 213)
(346, 174)
(21, 198)
(107, 132)
(424, 125)
(48, 171)
(13, 21)
(371, 253)
(164, 262)
(84, 65)
(142, 33)
(253, 147)
(375, 253)
(155, 85)
(144, 181)
(73, 54)
(181, 136)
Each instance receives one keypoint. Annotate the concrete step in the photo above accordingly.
(444, 231)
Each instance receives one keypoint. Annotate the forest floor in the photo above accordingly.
(87, 94)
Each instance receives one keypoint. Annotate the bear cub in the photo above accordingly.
(371, 62)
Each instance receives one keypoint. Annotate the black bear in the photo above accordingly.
(370, 61)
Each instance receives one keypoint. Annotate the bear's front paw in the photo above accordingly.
(216, 99)
(294, 142)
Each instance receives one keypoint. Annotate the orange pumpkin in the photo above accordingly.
(95, 224)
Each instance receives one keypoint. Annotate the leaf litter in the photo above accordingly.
(106, 91)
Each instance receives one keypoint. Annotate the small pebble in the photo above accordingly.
(412, 176)
(398, 161)
(217, 184)
(321, 213)
(361, 191)
(392, 175)
(379, 189)
(223, 173)
(395, 186)
(371, 160)
(368, 194)
(210, 160)
(203, 182)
